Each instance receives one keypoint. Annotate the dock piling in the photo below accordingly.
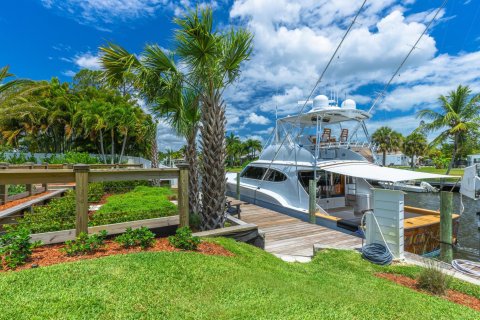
(446, 208)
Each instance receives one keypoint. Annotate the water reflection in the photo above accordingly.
(468, 233)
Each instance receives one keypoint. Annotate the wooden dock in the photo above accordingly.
(288, 236)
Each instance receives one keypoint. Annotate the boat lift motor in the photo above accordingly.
(470, 185)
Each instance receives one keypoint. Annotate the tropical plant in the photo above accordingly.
(433, 279)
(15, 247)
(183, 239)
(252, 146)
(85, 244)
(141, 237)
(387, 140)
(415, 145)
(214, 59)
(456, 120)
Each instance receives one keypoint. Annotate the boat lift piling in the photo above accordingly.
(446, 208)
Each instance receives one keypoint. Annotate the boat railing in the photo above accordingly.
(341, 144)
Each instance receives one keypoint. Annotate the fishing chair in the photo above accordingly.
(344, 135)
(326, 135)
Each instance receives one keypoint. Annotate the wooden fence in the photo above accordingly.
(82, 175)
(4, 197)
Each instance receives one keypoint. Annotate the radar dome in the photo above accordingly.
(320, 102)
(349, 104)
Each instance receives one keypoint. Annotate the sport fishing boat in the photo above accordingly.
(331, 146)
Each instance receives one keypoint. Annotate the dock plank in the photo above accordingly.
(286, 235)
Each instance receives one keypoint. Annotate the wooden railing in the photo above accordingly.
(82, 175)
(4, 197)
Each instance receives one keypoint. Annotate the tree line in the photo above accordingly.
(86, 115)
(455, 127)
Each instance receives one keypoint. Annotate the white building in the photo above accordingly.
(472, 159)
(394, 159)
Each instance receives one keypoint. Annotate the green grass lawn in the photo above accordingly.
(234, 169)
(251, 285)
(453, 172)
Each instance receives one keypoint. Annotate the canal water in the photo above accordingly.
(468, 246)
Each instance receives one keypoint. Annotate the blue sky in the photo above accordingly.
(293, 41)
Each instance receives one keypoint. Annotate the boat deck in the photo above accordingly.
(289, 236)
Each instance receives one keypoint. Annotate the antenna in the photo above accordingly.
(380, 96)
(317, 83)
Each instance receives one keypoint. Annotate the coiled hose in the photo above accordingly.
(377, 253)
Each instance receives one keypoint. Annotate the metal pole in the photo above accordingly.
(312, 200)
(446, 208)
(238, 185)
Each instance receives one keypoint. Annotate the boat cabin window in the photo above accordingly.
(275, 176)
(329, 184)
(254, 172)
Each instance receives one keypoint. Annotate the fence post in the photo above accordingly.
(238, 185)
(45, 185)
(3, 187)
(29, 187)
(183, 209)
(81, 197)
(446, 208)
(312, 193)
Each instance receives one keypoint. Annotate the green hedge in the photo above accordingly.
(141, 203)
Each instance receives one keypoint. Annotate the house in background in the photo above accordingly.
(472, 159)
(395, 159)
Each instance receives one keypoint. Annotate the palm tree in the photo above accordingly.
(253, 145)
(213, 59)
(457, 118)
(387, 141)
(232, 142)
(161, 84)
(415, 145)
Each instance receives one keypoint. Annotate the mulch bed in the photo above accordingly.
(451, 295)
(51, 254)
(14, 203)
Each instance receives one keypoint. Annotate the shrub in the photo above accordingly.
(14, 189)
(15, 247)
(124, 186)
(183, 239)
(84, 243)
(72, 158)
(58, 214)
(432, 279)
(141, 203)
(141, 237)
(95, 191)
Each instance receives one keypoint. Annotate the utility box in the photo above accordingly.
(388, 208)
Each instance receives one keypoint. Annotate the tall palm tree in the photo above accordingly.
(415, 145)
(161, 84)
(387, 141)
(213, 59)
(457, 118)
(232, 141)
(253, 145)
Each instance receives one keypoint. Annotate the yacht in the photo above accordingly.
(330, 145)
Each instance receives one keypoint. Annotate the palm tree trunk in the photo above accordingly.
(124, 143)
(411, 161)
(213, 164)
(191, 157)
(454, 156)
(102, 150)
(384, 157)
(112, 134)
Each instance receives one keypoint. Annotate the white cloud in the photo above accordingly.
(254, 118)
(87, 61)
(69, 73)
(100, 13)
